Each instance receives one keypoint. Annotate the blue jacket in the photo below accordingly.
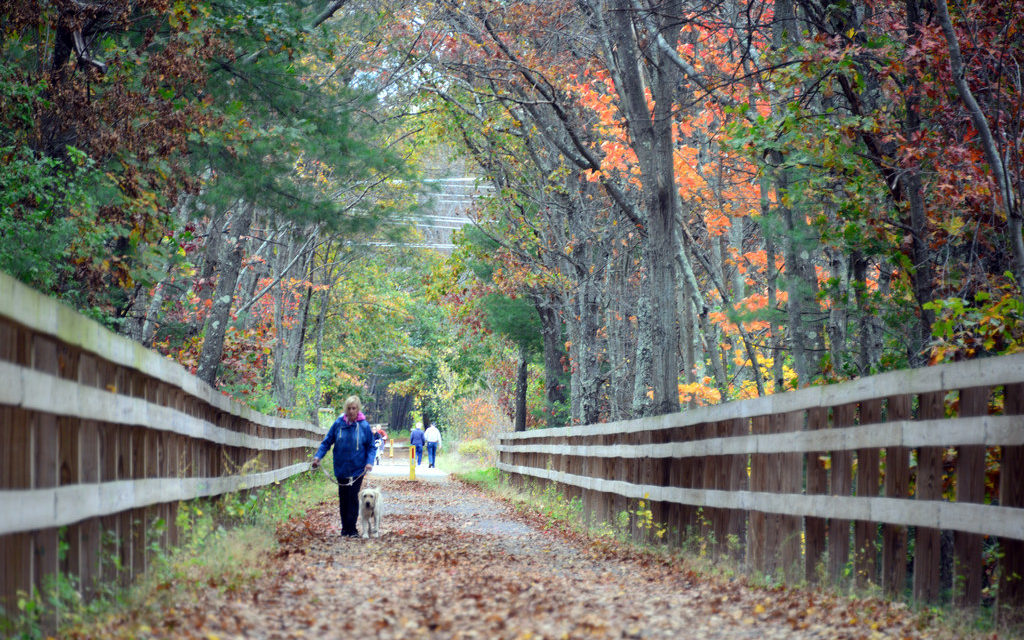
(416, 437)
(353, 447)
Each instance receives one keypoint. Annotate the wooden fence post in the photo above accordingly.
(817, 484)
(970, 487)
(868, 481)
(757, 531)
(841, 475)
(897, 485)
(927, 542)
(1010, 598)
(16, 557)
(738, 481)
(790, 479)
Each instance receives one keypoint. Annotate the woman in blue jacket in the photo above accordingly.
(352, 439)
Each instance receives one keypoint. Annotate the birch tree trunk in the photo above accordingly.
(217, 320)
(290, 318)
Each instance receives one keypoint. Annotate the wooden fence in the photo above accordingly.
(868, 480)
(101, 438)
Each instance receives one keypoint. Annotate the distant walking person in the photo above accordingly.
(352, 439)
(433, 438)
(379, 440)
(416, 440)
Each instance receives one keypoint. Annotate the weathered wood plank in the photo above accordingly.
(981, 430)
(45, 392)
(976, 518)
(982, 372)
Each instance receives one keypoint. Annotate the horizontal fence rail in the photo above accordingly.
(101, 439)
(908, 479)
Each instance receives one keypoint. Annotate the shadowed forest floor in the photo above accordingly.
(455, 563)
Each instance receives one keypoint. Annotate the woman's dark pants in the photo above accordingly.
(348, 505)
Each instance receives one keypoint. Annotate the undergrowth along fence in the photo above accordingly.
(868, 480)
(100, 439)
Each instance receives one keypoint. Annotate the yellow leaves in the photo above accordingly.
(951, 225)
(703, 393)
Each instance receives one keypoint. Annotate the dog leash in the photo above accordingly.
(335, 480)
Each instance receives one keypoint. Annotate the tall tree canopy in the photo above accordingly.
(685, 202)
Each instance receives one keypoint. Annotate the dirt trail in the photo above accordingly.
(453, 563)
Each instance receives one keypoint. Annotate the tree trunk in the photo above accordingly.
(921, 276)
(588, 370)
(554, 352)
(521, 381)
(217, 319)
(619, 307)
(838, 315)
(807, 342)
(400, 407)
(212, 255)
(650, 132)
(869, 327)
(290, 322)
(706, 330)
(772, 281)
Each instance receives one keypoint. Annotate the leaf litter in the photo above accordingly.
(453, 562)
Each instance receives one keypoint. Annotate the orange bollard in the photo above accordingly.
(412, 462)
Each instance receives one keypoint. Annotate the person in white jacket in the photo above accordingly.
(433, 438)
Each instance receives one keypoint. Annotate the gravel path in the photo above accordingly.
(454, 563)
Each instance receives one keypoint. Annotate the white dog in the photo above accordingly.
(369, 512)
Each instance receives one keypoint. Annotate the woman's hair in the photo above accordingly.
(353, 400)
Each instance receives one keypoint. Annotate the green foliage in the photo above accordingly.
(516, 319)
(45, 204)
(989, 325)
(478, 448)
(292, 133)
(35, 230)
(489, 478)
